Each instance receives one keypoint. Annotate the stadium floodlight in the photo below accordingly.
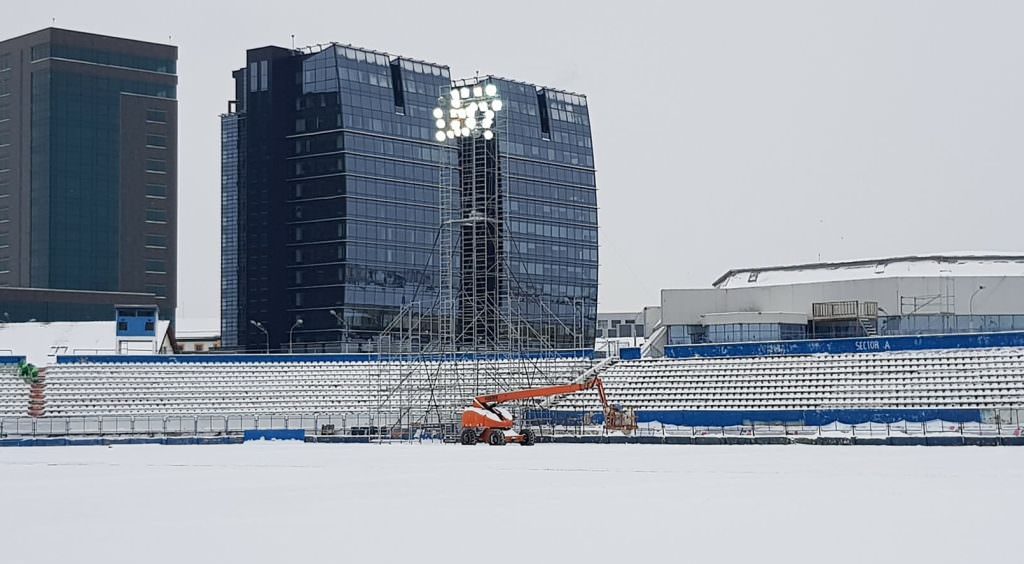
(471, 112)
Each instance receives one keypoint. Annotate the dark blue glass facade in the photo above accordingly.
(93, 132)
(230, 131)
(552, 212)
(339, 208)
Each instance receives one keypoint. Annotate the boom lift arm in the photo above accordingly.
(486, 421)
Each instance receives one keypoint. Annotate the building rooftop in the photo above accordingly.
(931, 265)
(40, 343)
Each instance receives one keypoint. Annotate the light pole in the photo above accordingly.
(260, 326)
(971, 303)
(344, 329)
(291, 332)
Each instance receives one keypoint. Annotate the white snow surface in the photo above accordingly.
(411, 503)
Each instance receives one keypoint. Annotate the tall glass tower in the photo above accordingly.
(348, 210)
(88, 172)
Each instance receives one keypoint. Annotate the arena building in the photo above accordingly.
(907, 295)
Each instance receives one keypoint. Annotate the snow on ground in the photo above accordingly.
(294, 503)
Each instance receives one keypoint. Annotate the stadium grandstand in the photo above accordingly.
(910, 339)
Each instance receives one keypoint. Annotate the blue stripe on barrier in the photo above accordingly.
(846, 346)
(11, 359)
(274, 435)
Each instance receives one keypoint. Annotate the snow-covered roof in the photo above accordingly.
(41, 342)
(974, 264)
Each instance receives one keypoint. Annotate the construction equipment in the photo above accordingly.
(486, 422)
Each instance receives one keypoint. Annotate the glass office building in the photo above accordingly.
(88, 166)
(335, 181)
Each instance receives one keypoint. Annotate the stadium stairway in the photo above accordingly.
(37, 396)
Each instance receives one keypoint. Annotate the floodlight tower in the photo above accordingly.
(474, 276)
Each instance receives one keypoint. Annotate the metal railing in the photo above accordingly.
(844, 310)
(379, 426)
(862, 430)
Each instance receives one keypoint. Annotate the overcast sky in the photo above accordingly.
(726, 134)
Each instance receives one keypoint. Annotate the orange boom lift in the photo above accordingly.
(485, 421)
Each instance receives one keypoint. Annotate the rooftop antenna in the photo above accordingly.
(293, 42)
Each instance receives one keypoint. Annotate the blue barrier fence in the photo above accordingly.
(845, 346)
(11, 359)
(274, 435)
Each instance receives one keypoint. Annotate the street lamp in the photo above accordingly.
(260, 326)
(291, 332)
(971, 303)
(344, 328)
(467, 111)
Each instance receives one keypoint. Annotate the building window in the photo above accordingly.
(156, 191)
(254, 78)
(158, 166)
(5, 61)
(156, 241)
(156, 266)
(199, 347)
(156, 116)
(155, 140)
(264, 71)
(156, 216)
(122, 325)
(5, 87)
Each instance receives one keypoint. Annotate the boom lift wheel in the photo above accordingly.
(497, 437)
(469, 436)
(529, 437)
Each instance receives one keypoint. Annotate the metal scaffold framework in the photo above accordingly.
(474, 278)
(477, 310)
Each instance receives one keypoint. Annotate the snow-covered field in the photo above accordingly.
(404, 503)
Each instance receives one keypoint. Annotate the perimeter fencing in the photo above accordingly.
(862, 430)
(388, 426)
(371, 425)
